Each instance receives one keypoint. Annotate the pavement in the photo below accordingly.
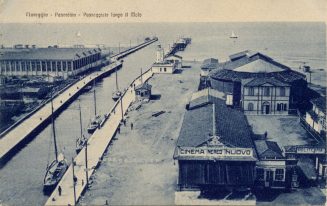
(138, 167)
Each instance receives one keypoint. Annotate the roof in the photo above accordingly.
(254, 66)
(261, 81)
(49, 53)
(144, 86)
(238, 55)
(320, 103)
(174, 55)
(210, 63)
(198, 125)
(268, 149)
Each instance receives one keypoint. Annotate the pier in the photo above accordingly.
(180, 45)
(22, 131)
(89, 158)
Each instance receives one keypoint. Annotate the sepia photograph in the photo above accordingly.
(177, 102)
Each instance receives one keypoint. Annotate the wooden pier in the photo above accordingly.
(14, 137)
(96, 146)
(180, 45)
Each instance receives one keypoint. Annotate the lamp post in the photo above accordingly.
(86, 167)
(74, 181)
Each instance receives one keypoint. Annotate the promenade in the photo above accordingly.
(97, 145)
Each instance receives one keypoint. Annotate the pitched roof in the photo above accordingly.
(320, 103)
(230, 125)
(49, 53)
(210, 63)
(145, 86)
(256, 65)
(260, 81)
(268, 149)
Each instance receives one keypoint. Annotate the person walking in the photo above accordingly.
(132, 125)
(59, 190)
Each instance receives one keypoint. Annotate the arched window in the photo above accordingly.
(250, 106)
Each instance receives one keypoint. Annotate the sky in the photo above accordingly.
(14, 11)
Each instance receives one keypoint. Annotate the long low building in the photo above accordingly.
(49, 61)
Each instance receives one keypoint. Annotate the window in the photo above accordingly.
(285, 107)
(282, 91)
(160, 69)
(260, 174)
(165, 69)
(278, 107)
(251, 91)
(250, 106)
(279, 175)
(266, 91)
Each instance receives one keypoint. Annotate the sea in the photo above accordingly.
(21, 178)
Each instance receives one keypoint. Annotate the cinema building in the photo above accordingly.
(53, 62)
(259, 85)
(217, 151)
(214, 149)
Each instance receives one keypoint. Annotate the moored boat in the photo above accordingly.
(56, 170)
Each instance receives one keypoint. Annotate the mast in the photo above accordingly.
(80, 118)
(116, 80)
(95, 102)
(141, 77)
(53, 129)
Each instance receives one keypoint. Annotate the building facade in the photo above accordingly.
(316, 117)
(265, 96)
(49, 62)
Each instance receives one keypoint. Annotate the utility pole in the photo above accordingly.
(121, 107)
(74, 181)
(86, 167)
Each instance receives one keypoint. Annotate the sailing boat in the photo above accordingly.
(56, 170)
(233, 36)
(116, 95)
(95, 122)
(81, 141)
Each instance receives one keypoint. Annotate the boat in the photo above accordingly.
(116, 94)
(82, 140)
(233, 36)
(56, 170)
(95, 122)
(87, 88)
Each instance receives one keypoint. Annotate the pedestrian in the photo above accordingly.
(59, 190)
(82, 182)
(124, 122)
(131, 125)
(118, 130)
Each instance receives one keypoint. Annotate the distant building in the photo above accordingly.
(259, 85)
(161, 65)
(143, 91)
(316, 117)
(208, 65)
(49, 62)
(175, 59)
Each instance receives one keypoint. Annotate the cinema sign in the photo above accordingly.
(214, 152)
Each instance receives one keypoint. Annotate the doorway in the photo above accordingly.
(266, 108)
